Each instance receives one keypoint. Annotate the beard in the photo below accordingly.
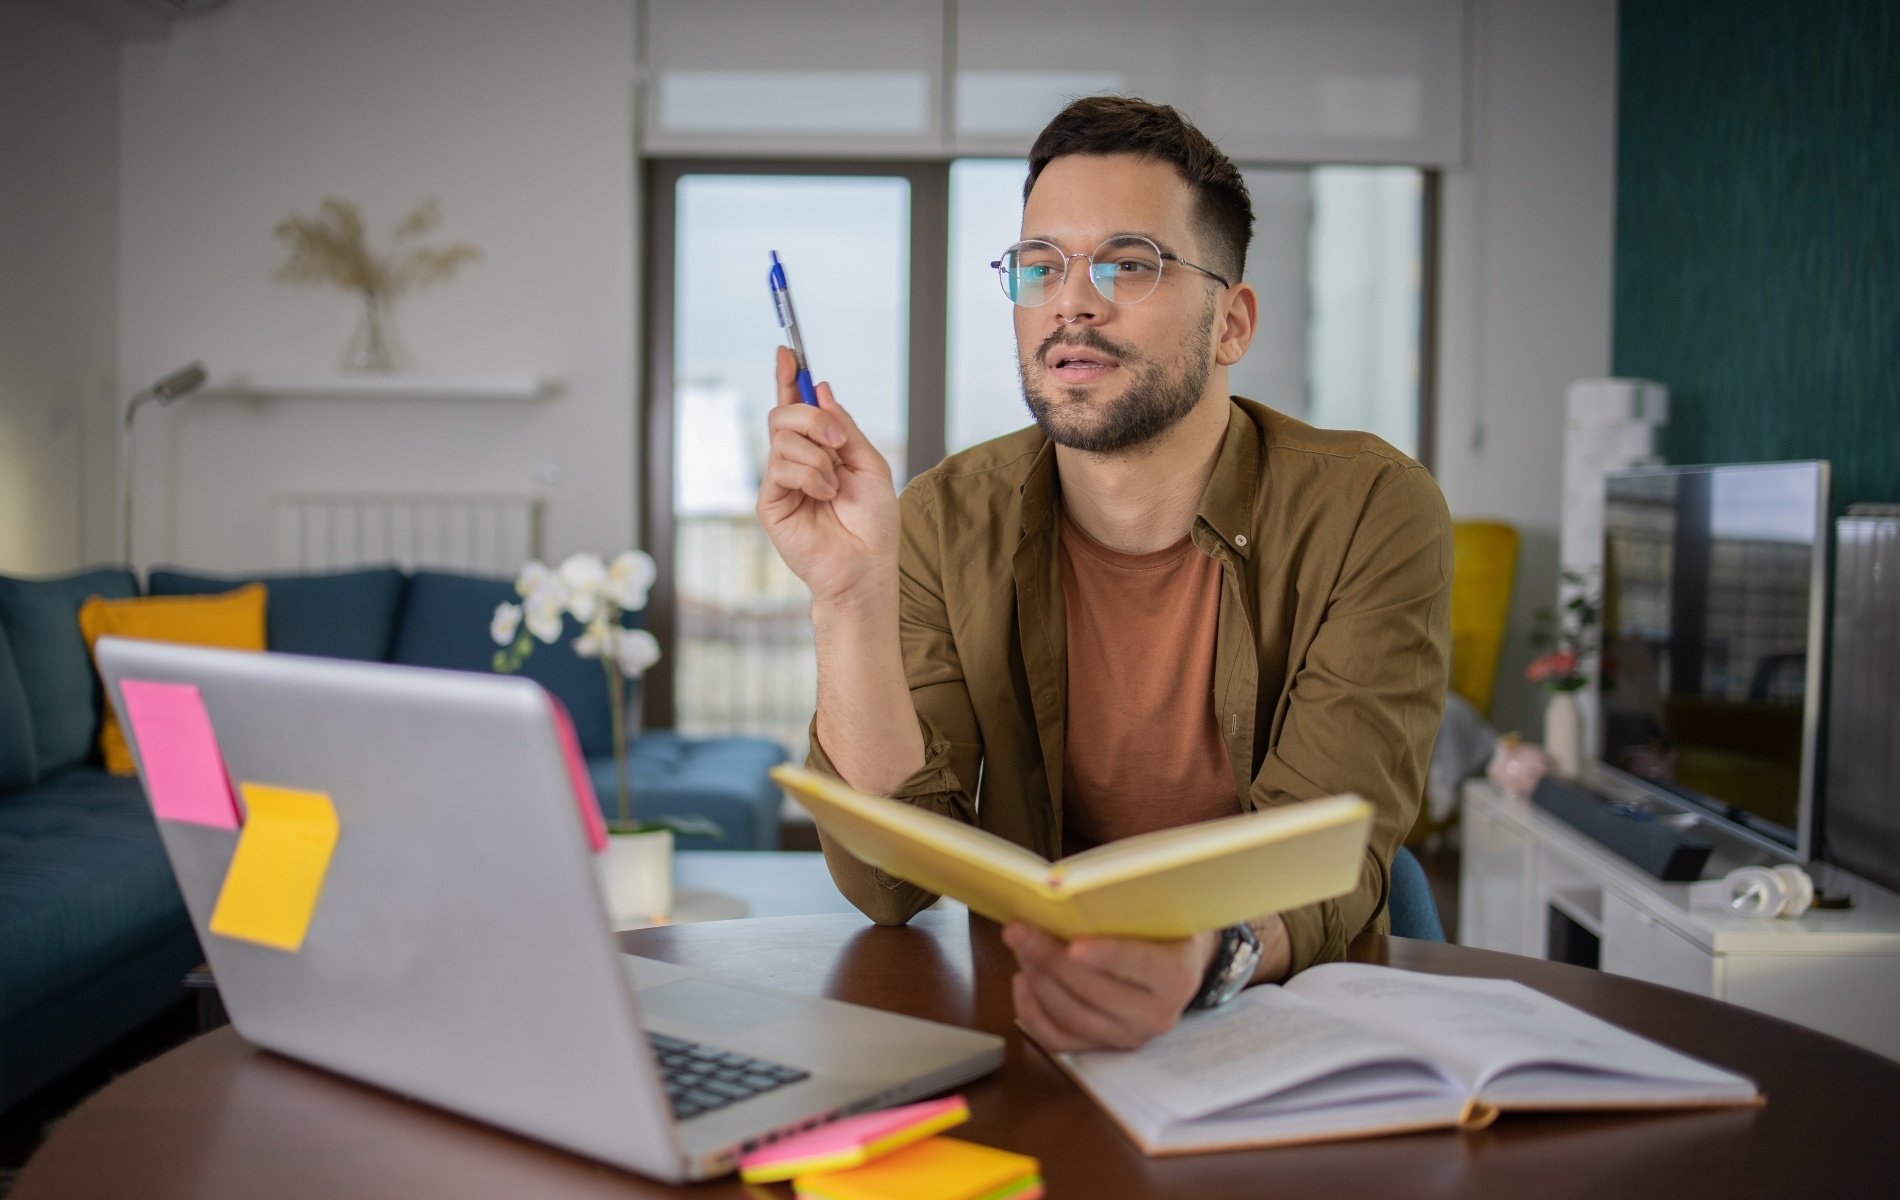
(1156, 398)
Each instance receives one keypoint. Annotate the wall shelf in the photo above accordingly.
(397, 385)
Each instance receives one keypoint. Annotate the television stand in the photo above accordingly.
(1531, 884)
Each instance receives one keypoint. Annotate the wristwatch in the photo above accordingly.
(1232, 969)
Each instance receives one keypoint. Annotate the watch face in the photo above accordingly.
(1232, 968)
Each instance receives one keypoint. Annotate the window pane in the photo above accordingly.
(1367, 268)
(984, 399)
(744, 656)
(1336, 263)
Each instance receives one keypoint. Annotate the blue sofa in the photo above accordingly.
(94, 939)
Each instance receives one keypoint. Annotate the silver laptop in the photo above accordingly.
(460, 951)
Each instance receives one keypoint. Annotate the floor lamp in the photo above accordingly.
(183, 381)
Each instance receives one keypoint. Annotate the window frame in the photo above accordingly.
(929, 334)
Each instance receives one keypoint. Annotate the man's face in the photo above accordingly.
(1099, 376)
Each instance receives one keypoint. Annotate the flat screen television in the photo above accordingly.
(1710, 687)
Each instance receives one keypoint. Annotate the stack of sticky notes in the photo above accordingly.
(895, 1155)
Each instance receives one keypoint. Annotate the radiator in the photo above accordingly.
(481, 534)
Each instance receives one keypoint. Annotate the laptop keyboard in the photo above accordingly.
(700, 1078)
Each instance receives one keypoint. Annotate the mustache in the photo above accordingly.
(1085, 339)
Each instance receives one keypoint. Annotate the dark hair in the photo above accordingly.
(1125, 125)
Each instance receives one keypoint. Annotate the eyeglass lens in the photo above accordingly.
(1125, 270)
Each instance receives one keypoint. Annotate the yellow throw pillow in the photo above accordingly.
(233, 620)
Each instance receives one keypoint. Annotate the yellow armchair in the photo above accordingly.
(1483, 569)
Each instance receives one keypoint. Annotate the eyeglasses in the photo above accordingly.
(1124, 269)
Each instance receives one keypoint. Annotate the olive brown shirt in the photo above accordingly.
(1331, 653)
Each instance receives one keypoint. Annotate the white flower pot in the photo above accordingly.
(636, 875)
(1563, 735)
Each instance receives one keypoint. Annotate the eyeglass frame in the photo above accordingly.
(1165, 256)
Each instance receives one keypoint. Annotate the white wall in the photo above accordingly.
(59, 169)
(519, 118)
(1525, 286)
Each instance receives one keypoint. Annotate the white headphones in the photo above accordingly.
(1759, 892)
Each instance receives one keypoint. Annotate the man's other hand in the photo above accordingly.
(1103, 993)
(826, 499)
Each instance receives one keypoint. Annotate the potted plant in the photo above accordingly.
(637, 870)
(333, 247)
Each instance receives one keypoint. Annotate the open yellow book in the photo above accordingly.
(1168, 884)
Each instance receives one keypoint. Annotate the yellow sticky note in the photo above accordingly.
(277, 871)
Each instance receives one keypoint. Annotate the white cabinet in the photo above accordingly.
(1638, 945)
(1531, 884)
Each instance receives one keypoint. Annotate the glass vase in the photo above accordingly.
(372, 347)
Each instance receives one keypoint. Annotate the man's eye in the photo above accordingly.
(1134, 267)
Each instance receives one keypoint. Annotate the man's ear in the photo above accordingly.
(1234, 330)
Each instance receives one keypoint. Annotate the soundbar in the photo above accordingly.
(1661, 849)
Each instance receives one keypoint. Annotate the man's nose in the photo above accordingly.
(1077, 300)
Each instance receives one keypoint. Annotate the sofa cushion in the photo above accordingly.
(41, 620)
(86, 884)
(233, 620)
(723, 779)
(18, 766)
(346, 614)
(445, 622)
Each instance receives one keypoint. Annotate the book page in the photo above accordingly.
(1264, 1043)
(1483, 1029)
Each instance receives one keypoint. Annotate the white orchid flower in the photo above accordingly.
(635, 650)
(583, 578)
(533, 577)
(505, 623)
(596, 640)
(543, 610)
(629, 577)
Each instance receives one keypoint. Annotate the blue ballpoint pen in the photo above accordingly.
(782, 299)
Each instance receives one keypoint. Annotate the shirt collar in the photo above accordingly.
(1227, 504)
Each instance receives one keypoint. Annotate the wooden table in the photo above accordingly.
(217, 1118)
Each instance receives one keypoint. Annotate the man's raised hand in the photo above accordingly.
(826, 499)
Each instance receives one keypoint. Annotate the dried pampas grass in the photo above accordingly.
(332, 247)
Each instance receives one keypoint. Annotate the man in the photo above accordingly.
(1160, 604)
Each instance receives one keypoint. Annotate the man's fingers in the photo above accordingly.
(785, 373)
(826, 429)
(1090, 1019)
(1092, 992)
(1152, 966)
(1038, 1023)
(789, 447)
(854, 449)
(791, 477)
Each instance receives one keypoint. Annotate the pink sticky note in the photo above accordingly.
(579, 781)
(183, 769)
(852, 1141)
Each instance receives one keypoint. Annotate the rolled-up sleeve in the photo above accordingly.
(946, 782)
(1367, 695)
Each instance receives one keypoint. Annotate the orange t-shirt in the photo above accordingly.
(1142, 749)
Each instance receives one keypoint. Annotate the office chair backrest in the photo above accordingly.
(1414, 913)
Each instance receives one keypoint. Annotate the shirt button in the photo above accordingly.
(1240, 539)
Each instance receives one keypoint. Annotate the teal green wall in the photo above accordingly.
(1758, 230)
